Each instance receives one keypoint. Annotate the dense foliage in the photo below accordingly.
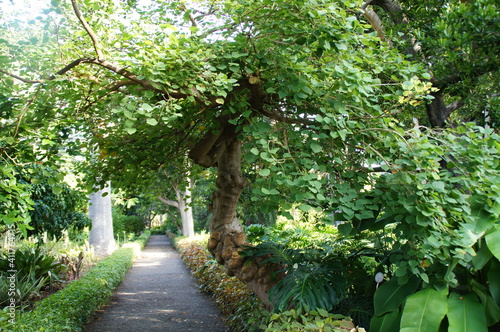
(237, 302)
(56, 206)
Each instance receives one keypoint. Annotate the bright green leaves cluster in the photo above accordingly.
(442, 197)
(400, 308)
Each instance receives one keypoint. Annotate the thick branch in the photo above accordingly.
(90, 32)
(375, 22)
(454, 106)
(211, 147)
(258, 101)
(396, 14)
(132, 78)
(168, 202)
(392, 9)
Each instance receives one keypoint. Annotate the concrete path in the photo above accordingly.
(158, 294)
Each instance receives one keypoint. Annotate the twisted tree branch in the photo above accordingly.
(90, 32)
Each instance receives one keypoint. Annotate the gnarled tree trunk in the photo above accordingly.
(227, 237)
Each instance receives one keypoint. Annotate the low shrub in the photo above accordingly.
(243, 311)
(70, 308)
(309, 320)
(127, 223)
(235, 300)
(159, 230)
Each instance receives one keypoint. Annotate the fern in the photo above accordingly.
(312, 278)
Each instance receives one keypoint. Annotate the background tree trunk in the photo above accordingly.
(185, 209)
(183, 204)
(101, 235)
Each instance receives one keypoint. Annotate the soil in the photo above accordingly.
(158, 294)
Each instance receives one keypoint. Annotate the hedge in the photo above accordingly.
(71, 308)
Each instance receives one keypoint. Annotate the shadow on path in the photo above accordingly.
(158, 294)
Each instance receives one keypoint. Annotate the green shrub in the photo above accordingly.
(127, 223)
(309, 320)
(159, 230)
(235, 300)
(35, 270)
(70, 308)
(243, 311)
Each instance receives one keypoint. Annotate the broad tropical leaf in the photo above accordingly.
(386, 323)
(493, 241)
(494, 281)
(491, 309)
(465, 314)
(390, 295)
(424, 311)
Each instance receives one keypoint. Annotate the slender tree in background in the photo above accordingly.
(182, 202)
(101, 234)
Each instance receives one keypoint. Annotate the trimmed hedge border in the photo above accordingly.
(71, 308)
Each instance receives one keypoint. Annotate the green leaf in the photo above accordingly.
(152, 121)
(494, 281)
(316, 148)
(305, 207)
(146, 107)
(424, 311)
(391, 295)
(493, 240)
(345, 228)
(482, 257)
(57, 189)
(386, 323)
(130, 130)
(438, 186)
(264, 172)
(465, 314)
(490, 307)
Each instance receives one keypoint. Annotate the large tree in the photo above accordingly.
(312, 93)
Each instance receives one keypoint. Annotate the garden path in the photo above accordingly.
(158, 294)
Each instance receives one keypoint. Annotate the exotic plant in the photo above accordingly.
(305, 277)
(440, 198)
(34, 269)
(32, 261)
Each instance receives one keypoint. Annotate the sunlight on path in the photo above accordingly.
(158, 294)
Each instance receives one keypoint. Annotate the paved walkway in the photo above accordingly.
(158, 294)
